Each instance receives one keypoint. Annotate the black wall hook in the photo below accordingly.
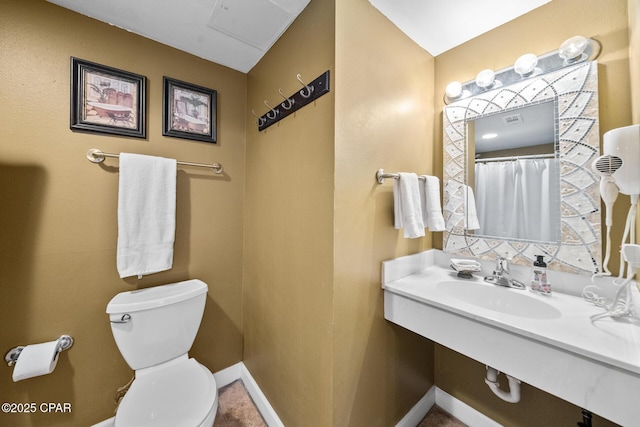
(288, 102)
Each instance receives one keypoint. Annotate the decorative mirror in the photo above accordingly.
(527, 187)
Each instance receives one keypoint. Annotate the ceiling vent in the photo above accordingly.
(512, 119)
(258, 23)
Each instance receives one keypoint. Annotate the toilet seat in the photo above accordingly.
(181, 395)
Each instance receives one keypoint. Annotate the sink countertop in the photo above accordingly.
(595, 366)
(614, 342)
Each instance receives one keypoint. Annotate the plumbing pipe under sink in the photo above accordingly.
(513, 396)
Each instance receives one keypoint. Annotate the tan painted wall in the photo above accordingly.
(384, 119)
(288, 289)
(58, 210)
(315, 336)
(538, 32)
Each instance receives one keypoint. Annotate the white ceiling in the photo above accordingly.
(440, 25)
(233, 33)
(237, 33)
(532, 125)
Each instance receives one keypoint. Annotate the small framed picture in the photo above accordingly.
(188, 111)
(107, 100)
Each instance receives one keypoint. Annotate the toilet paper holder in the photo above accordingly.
(64, 343)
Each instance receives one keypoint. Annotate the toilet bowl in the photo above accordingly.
(154, 328)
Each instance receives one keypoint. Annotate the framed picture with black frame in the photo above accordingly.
(107, 100)
(188, 111)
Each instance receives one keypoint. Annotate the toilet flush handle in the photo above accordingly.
(124, 319)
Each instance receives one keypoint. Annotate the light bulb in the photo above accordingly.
(572, 48)
(453, 90)
(485, 78)
(526, 64)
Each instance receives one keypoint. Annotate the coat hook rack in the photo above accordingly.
(309, 93)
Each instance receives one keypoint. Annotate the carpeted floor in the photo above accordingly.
(236, 409)
(438, 417)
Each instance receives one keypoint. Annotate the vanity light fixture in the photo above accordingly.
(572, 51)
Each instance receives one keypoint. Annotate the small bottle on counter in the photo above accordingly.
(539, 283)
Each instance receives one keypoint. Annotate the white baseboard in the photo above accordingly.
(419, 410)
(265, 408)
(228, 375)
(434, 396)
(240, 372)
(455, 407)
(462, 411)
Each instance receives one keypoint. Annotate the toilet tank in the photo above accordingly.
(157, 324)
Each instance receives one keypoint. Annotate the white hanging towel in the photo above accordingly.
(407, 205)
(146, 214)
(431, 207)
(471, 214)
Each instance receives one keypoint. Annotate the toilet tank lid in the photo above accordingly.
(157, 296)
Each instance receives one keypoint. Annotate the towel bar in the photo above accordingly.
(381, 175)
(97, 156)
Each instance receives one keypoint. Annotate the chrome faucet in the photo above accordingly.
(502, 270)
(502, 276)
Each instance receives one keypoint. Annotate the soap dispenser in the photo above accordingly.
(539, 283)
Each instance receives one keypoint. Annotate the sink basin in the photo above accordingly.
(499, 299)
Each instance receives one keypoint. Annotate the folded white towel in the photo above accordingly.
(407, 205)
(146, 214)
(466, 265)
(431, 207)
(471, 215)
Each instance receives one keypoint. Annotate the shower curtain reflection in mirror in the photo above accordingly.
(518, 198)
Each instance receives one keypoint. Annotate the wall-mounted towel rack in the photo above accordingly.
(381, 175)
(309, 93)
(97, 156)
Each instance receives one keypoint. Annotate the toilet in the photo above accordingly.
(154, 329)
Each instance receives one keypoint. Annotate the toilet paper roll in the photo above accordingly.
(35, 360)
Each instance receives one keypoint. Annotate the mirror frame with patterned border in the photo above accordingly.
(575, 90)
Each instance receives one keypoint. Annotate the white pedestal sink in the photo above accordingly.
(595, 366)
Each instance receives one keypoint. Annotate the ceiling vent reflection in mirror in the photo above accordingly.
(574, 94)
